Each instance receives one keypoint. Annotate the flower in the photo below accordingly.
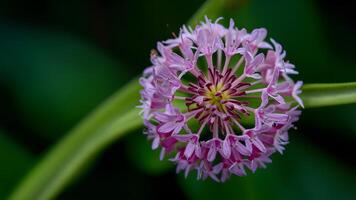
(214, 77)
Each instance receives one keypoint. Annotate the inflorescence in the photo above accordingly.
(219, 100)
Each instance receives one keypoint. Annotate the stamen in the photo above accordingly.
(239, 125)
(216, 129)
(184, 88)
(254, 91)
(187, 129)
(238, 64)
(239, 80)
(256, 82)
(202, 126)
(219, 59)
(227, 128)
(180, 98)
(189, 115)
(250, 109)
(227, 62)
(246, 96)
(195, 72)
(209, 59)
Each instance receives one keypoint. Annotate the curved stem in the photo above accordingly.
(328, 94)
(114, 118)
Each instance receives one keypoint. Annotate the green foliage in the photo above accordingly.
(302, 173)
(55, 79)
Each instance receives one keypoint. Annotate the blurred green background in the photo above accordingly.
(60, 59)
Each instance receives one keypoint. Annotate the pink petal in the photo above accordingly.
(189, 149)
(258, 144)
(155, 143)
(211, 154)
(226, 149)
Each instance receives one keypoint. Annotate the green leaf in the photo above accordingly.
(15, 162)
(317, 95)
(54, 74)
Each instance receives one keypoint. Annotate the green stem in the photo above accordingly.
(328, 94)
(114, 118)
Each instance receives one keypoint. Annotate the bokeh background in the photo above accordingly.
(60, 59)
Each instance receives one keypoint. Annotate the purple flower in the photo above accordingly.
(193, 145)
(296, 91)
(238, 81)
(170, 121)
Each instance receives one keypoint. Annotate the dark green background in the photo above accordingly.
(59, 59)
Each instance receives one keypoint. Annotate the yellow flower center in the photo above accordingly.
(216, 96)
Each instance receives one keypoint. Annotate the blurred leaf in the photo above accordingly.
(316, 95)
(110, 121)
(302, 173)
(15, 162)
(55, 78)
(143, 157)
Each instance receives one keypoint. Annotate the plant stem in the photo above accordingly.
(328, 94)
(114, 118)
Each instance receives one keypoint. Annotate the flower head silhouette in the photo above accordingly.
(204, 84)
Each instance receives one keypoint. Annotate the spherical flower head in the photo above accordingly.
(201, 88)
